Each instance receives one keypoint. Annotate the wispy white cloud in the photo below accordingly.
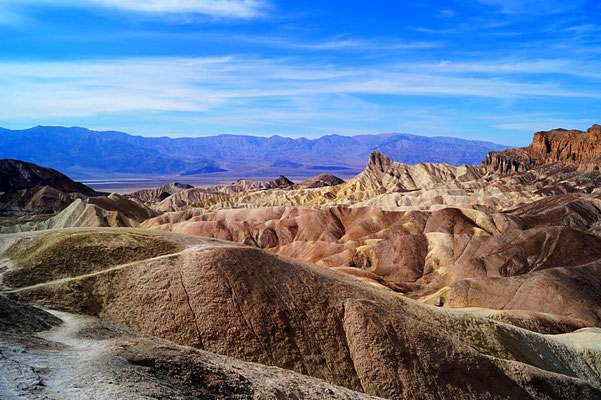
(583, 28)
(214, 8)
(78, 88)
(337, 43)
(574, 68)
(289, 42)
(535, 123)
(533, 7)
(470, 25)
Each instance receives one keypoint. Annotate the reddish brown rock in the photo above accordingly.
(569, 147)
(573, 292)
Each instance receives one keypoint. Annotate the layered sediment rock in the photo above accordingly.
(578, 149)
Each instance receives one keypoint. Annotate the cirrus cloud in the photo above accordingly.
(75, 88)
(243, 9)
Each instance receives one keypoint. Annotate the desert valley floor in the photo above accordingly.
(424, 281)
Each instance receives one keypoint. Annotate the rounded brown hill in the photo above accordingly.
(248, 304)
(84, 358)
(59, 255)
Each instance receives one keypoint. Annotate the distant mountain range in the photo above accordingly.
(85, 153)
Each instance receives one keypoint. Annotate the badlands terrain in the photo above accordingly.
(426, 281)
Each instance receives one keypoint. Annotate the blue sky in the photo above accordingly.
(494, 70)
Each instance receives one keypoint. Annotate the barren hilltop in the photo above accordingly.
(424, 281)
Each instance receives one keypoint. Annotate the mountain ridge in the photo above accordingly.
(80, 150)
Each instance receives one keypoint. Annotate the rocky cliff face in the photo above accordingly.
(509, 161)
(573, 148)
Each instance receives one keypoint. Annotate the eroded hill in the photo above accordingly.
(405, 281)
(247, 304)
